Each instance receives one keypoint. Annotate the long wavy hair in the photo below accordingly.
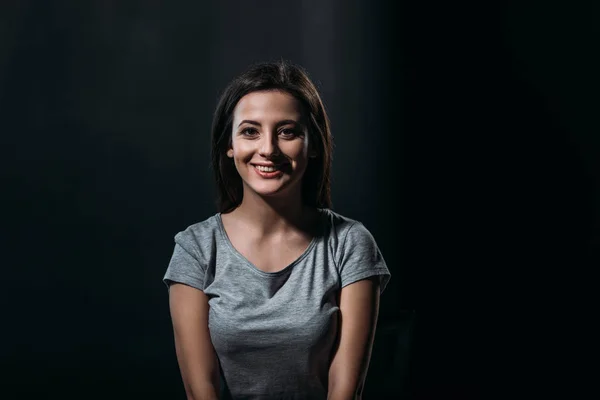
(290, 78)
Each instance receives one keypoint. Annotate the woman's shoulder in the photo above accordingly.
(199, 233)
(337, 220)
(340, 224)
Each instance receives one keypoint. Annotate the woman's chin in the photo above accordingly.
(275, 188)
(270, 194)
(280, 191)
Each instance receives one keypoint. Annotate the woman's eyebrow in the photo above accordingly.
(284, 122)
(288, 121)
(248, 121)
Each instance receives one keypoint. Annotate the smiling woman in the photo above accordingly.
(276, 295)
(270, 145)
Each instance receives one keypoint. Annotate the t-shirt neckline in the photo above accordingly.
(232, 249)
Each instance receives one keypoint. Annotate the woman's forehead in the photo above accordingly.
(272, 104)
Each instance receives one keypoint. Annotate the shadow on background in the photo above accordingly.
(391, 358)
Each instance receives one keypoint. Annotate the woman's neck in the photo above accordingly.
(272, 216)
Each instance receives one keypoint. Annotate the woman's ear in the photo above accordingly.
(230, 153)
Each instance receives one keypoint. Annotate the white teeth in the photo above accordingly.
(265, 169)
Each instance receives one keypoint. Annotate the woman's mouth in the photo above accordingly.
(262, 168)
(268, 172)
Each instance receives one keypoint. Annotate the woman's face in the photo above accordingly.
(269, 143)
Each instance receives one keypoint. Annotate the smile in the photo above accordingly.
(266, 169)
(268, 172)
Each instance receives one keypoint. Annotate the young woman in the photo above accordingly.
(276, 296)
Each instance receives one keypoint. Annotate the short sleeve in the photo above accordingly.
(361, 258)
(185, 266)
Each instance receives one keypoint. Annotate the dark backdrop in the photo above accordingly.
(466, 141)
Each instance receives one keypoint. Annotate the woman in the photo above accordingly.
(276, 296)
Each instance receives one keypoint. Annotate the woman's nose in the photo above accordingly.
(268, 145)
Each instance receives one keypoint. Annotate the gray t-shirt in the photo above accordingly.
(274, 332)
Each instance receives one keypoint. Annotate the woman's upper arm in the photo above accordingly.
(359, 308)
(195, 353)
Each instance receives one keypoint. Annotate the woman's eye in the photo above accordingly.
(288, 132)
(249, 131)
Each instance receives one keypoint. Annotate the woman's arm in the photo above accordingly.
(196, 356)
(359, 308)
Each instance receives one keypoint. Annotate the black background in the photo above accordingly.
(466, 141)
